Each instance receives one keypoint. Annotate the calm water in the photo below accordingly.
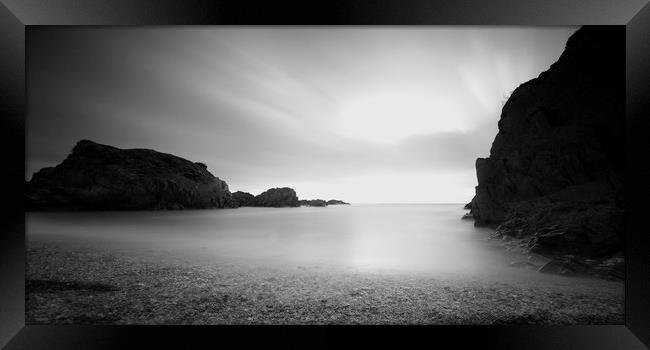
(415, 238)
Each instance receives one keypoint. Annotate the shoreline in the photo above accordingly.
(93, 286)
(563, 264)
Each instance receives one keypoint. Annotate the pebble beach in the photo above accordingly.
(89, 285)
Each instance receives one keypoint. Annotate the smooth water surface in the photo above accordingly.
(381, 237)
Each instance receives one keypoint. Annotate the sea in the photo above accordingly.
(377, 238)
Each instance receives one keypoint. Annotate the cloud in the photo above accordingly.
(323, 109)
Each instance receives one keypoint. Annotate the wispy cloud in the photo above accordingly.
(329, 111)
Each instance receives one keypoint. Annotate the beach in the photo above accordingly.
(77, 284)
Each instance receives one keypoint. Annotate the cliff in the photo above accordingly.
(101, 177)
(554, 177)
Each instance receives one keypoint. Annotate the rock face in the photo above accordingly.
(276, 197)
(243, 199)
(313, 202)
(336, 202)
(555, 171)
(101, 177)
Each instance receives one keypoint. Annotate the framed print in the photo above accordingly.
(461, 173)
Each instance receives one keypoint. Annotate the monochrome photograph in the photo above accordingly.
(325, 175)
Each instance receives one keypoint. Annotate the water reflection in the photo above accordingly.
(423, 238)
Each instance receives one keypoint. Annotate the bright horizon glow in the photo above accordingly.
(364, 115)
(387, 117)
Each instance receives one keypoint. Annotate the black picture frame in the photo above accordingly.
(17, 16)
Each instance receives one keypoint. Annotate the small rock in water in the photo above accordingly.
(525, 264)
(568, 266)
(551, 267)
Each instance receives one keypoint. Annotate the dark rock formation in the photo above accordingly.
(101, 177)
(468, 206)
(243, 199)
(336, 202)
(276, 197)
(524, 264)
(555, 171)
(321, 202)
(313, 202)
(612, 268)
(571, 265)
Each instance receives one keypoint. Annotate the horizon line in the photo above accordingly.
(463, 203)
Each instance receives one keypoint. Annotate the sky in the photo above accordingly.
(362, 114)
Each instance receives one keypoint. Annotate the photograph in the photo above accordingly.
(325, 175)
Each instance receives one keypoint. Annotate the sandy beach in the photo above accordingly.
(88, 285)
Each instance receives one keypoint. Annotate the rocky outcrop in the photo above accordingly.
(321, 202)
(554, 176)
(612, 268)
(276, 197)
(279, 197)
(313, 202)
(336, 202)
(101, 177)
(243, 199)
